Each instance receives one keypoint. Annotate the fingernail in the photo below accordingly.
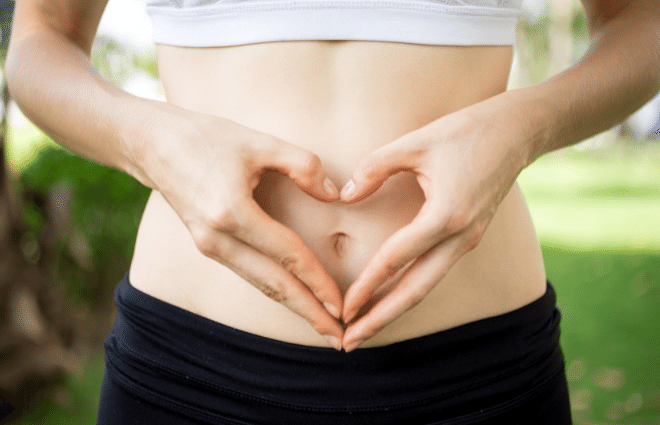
(333, 341)
(331, 309)
(329, 188)
(348, 317)
(348, 190)
(354, 345)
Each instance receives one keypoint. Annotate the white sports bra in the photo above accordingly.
(206, 23)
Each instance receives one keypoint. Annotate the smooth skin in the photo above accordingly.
(340, 100)
(465, 162)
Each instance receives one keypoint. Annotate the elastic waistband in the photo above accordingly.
(165, 346)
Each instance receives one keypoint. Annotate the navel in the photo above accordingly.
(341, 243)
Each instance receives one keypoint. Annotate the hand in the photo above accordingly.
(207, 168)
(465, 163)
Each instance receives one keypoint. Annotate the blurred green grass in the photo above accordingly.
(610, 337)
(606, 198)
(596, 213)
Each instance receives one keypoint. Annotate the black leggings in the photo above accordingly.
(166, 365)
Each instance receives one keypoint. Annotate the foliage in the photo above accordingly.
(6, 14)
(118, 62)
(75, 402)
(534, 48)
(97, 212)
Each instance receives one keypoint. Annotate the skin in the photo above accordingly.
(463, 159)
(341, 109)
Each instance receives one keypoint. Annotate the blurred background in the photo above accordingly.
(67, 228)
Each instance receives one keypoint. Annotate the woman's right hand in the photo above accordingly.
(207, 167)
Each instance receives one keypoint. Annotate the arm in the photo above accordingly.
(206, 167)
(55, 85)
(466, 162)
(618, 74)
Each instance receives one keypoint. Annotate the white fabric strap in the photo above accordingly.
(418, 22)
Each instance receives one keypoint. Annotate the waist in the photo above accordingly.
(339, 101)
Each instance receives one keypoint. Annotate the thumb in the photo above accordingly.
(301, 166)
(373, 170)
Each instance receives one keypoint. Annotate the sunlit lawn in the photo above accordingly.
(597, 216)
(610, 332)
(607, 198)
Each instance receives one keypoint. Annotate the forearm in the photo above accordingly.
(619, 73)
(56, 86)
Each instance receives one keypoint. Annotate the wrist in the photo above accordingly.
(516, 124)
(141, 123)
(530, 118)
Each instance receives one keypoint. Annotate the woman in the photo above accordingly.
(424, 268)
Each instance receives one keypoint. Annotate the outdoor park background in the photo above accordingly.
(67, 227)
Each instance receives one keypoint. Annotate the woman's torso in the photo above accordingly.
(340, 100)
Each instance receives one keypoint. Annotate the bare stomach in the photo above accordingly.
(340, 100)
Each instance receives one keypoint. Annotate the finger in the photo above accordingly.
(301, 166)
(286, 248)
(413, 287)
(401, 248)
(275, 282)
(374, 169)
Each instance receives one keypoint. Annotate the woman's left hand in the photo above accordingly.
(465, 162)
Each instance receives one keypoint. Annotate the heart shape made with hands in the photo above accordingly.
(465, 164)
(380, 275)
(457, 208)
(275, 187)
